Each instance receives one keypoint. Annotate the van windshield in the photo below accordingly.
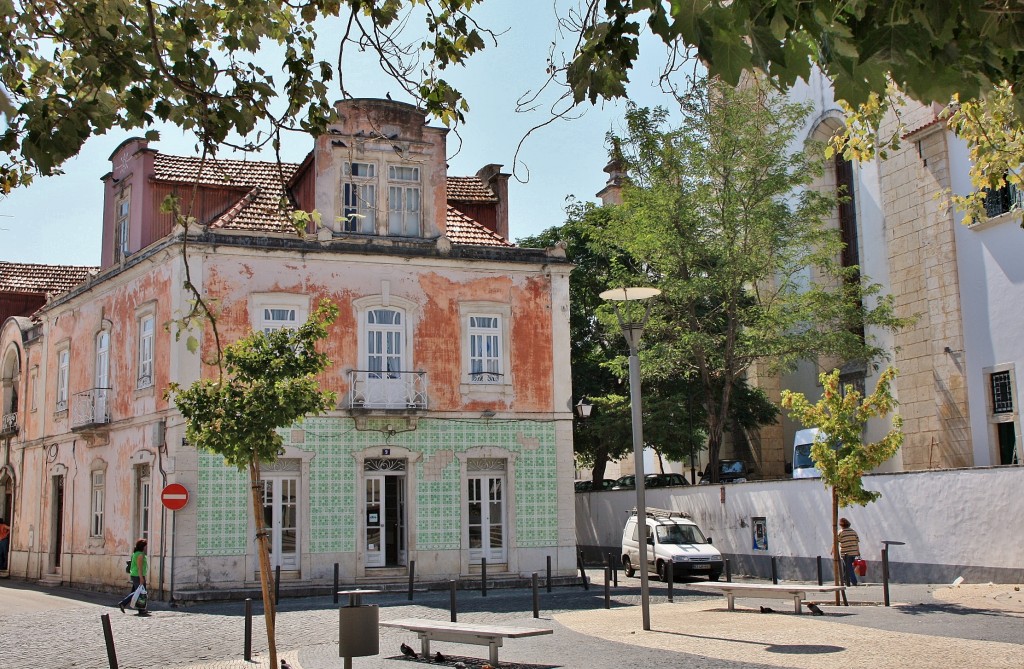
(680, 534)
(802, 457)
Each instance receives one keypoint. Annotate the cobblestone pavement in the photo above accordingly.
(695, 631)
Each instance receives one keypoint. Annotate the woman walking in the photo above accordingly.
(138, 568)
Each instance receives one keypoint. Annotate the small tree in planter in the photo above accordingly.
(268, 381)
(838, 452)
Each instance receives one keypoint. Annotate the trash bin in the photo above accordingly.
(358, 631)
(358, 627)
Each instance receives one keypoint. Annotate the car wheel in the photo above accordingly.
(627, 566)
(662, 571)
(714, 576)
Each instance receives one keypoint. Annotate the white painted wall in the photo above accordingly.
(954, 522)
(988, 258)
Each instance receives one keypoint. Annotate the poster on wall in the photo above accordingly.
(759, 527)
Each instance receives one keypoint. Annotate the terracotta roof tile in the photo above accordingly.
(469, 189)
(46, 279)
(464, 230)
(260, 185)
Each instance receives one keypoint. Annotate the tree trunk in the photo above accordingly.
(835, 541)
(600, 466)
(263, 549)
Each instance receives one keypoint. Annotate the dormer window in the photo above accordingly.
(122, 208)
(403, 200)
(359, 193)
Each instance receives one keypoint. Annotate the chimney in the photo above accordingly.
(497, 181)
(616, 169)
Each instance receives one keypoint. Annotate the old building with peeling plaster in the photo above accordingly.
(451, 442)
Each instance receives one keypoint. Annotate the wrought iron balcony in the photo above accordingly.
(387, 390)
(90, 408)
(9, 424)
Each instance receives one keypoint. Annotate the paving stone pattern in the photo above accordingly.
(210, 635)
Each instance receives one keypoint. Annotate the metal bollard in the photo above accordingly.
(670, 575)
(775, 572)
(108, 637)
(536, 597)
(277, 584)
(412, 576)
(451, 596)
(335, 582)
(728, 574)
(820, 582)
(549, 574)
(885, 575)
(607, 587)
(483, 577)
(611, 567)
(248, 626)
(583, 572)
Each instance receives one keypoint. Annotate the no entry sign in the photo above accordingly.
(174, 496)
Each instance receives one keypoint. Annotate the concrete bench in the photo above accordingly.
(796, 591)
(471, 633)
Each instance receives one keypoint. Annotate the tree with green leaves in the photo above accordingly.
(267, 382)
(71, 69)
(720, 211)
(839, 453)
(930, 50)
(673, 413)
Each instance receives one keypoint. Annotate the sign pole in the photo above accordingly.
(174, 497)
(172, 602)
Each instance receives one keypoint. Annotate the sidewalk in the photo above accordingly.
(923, 628)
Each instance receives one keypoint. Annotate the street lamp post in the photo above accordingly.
(632, 331)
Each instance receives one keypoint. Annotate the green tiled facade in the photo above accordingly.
(223, 505)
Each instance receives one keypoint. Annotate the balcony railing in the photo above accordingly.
(387, 390)
(9, 424)
(90, 408)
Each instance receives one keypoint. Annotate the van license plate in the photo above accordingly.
(702, 566)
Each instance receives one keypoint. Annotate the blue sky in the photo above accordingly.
(57, 219)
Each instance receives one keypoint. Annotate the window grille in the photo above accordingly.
(1002, 392)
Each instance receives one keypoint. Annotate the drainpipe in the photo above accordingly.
(71, 529)
(163, 512)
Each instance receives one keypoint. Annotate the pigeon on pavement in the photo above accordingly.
(284, 664)
(408, 652)
(438, 657)
(765, 609)
(815, 609)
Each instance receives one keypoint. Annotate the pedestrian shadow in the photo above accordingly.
(783, 649)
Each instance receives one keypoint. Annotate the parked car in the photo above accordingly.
(729, 471)
(671, 538)
(665, 480)
(588, 485)
(627, 482)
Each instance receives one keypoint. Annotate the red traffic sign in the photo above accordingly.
(174, 496)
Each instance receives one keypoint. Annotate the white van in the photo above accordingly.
(803, 463)
(671, 537)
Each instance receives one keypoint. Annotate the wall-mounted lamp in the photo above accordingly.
(584, 408)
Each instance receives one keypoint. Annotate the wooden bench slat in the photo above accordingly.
(797, 592)
(469, 633)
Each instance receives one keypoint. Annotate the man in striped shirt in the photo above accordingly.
(849, 549)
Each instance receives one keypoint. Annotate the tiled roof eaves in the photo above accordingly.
(924, 127)
(464, 230)
(42, 279)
